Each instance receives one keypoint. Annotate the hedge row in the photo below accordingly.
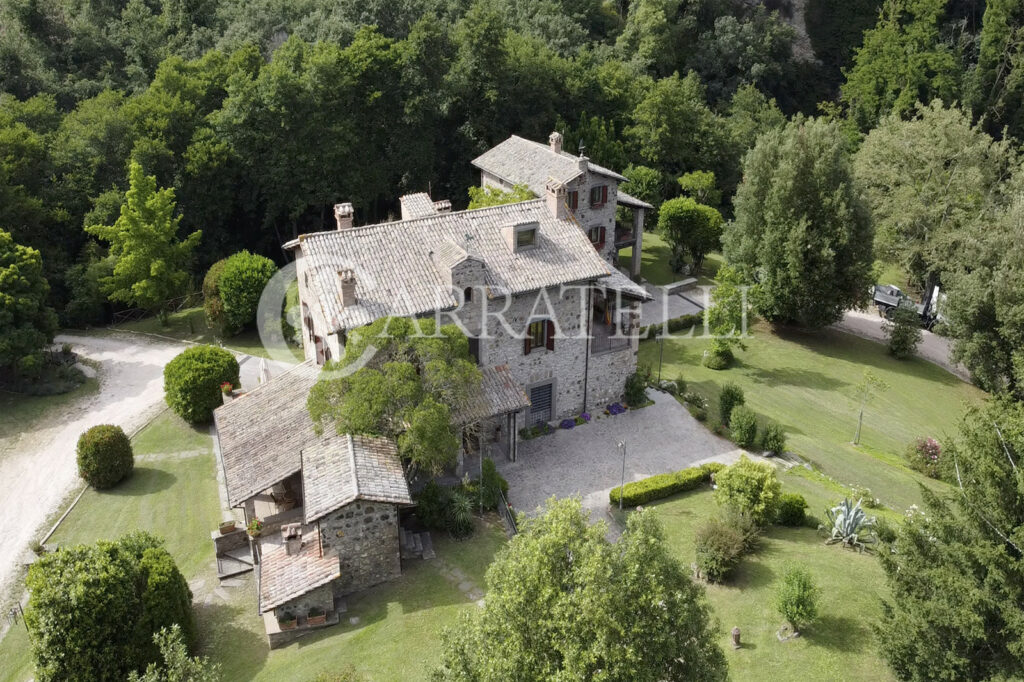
(675, 325)
(663, 485)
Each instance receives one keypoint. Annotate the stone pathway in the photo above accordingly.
(587, 461)
(457, 577)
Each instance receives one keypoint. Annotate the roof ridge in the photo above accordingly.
(444, 216)
(305, 364)
(352, 458)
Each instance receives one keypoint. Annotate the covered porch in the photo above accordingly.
(490, 425)
(631, 231)
(614, 313)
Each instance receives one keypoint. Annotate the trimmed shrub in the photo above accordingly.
(743, 426)
(718, 358)
(491, 482)
(773, 438)
(241, 284)
(675, 325)
(797, 598)
(124, 592)
(635, 394)
(432, 506)
(749, 531)
(792, 509)
(750, 488)
(192, 381)
(662, 485)
(213, 307)
(730, 397)
(718, 548)
(104, 456)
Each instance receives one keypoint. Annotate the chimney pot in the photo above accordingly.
(343, 215)
(347, 283)
(555, 140)
(443, 206)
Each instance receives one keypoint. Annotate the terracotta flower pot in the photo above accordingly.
(227, 527)
(288, 624)
(314, 621)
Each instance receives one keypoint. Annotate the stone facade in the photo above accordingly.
(321, 598)
(364, 537)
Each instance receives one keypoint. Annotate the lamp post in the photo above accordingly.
(622, 446)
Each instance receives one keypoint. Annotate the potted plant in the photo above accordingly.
(227, 527)
(287, 621)
(255, 527)
(226, 388)
(316, 616)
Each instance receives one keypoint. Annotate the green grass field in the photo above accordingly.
(20, 414)
(173, 493)
(654, 262)
(190, 325)
(839, 645)
(808, 382)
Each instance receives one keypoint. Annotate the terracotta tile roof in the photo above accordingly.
(397, 273)
(284, 577)
(262, 432)
(341, 469)
(519, 161)
(418, 205)
(501, 395)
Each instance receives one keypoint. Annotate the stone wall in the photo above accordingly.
(310, 306)
(364, 537)
(320, 598)
(566, 364)
(608, 374)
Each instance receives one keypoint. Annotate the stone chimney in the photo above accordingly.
(291, 533)
(554, 197)
(343, 214)
(583, 163)
(555, 140)
(347, 284)
(443, 206)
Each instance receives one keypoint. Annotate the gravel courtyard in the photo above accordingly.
(586, 460)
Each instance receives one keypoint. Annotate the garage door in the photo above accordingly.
(540, 404)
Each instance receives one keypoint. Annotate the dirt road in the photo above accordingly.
(41, 470)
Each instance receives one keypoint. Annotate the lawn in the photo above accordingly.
(22, 415)
(839, 645)
(808, 382)
(190, 325)
(173, 493)
(654, 262)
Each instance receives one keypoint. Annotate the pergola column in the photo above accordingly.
(638, 235)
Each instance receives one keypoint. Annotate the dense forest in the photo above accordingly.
(260, 115)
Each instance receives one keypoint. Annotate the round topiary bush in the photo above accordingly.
(743, 426)
(792, 509)
(192, 381)
(104, 456)
(241, 284)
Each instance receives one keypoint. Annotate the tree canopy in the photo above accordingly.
(564, 603)
(150, 263)
(404, 379)
(27, 323)
(802, 231)
(956, 567)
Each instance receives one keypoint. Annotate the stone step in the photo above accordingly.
(428, 546)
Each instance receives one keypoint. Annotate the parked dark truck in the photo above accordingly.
(888, 297)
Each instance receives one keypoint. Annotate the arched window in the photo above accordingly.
(467, 295)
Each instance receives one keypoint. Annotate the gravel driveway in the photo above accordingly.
(586, 460)
(933, 348)
(40, 469)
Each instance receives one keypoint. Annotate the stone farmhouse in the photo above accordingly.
(535, 287)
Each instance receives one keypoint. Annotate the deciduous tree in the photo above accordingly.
(27, 323)
(564, 603)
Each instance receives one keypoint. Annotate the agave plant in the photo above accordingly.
(850, 526)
